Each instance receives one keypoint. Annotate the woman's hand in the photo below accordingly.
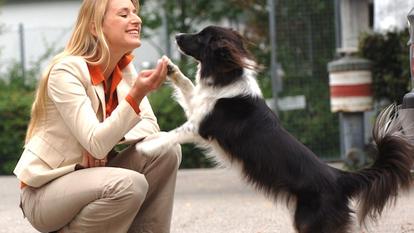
(149, 80)
(89, 161)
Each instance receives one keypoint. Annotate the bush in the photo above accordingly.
(391, 69)
(16, 97)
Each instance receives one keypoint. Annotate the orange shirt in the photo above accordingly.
(111, 97)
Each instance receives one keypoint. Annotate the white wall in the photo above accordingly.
(391, 14)
(49, 24)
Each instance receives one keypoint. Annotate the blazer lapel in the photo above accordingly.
(122, 90)
(99, 90)
(128, 76)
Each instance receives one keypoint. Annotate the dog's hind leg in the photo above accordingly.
(316, 213)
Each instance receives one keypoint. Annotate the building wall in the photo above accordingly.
(391, 14)
(49, 24)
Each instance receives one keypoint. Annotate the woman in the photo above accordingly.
(89, 100)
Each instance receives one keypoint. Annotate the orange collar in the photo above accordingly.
(97, 74)
(111, 100)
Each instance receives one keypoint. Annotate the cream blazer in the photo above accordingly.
(75, 122)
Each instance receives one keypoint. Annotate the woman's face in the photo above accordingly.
(122, 26)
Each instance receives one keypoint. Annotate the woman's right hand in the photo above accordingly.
(149, 80)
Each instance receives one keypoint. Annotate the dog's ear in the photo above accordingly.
(218, 44)
(229, 56)
(221, 49)
(225, 54)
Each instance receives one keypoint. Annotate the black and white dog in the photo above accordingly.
(227, 114)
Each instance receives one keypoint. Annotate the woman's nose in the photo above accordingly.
(137, 19)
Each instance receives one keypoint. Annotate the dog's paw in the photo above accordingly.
(148, 148)
(170, 69)
(173, 72)
(155, 144)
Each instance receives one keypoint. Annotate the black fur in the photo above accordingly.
(276, 162)
(220, 50)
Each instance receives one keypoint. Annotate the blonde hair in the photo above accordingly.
(94, 49)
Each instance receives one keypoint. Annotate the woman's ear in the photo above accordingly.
(93, 29)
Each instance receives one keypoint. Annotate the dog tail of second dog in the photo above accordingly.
(379, 184)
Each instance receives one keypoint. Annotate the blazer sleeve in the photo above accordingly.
(147, 126)
(68, 93)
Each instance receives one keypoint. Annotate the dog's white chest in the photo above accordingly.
(202, 103)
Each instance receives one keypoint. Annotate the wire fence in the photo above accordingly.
(27, 45)
(306, 43)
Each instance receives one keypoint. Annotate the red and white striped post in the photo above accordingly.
(350, 78)
(350, 81)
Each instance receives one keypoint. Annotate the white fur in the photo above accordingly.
(198, 101)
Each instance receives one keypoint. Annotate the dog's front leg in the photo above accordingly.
(162, 142)
(180, 80)
(183, 87)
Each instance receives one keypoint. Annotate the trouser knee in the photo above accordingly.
(129, 184)
(173, 157)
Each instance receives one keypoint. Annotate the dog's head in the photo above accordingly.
(220, 51)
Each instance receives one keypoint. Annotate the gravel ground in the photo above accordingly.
(217, 201)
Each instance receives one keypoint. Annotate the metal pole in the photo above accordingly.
(408, 100)
(410, 18)
(166, 31)
(276, 84)
(22, 50)
(338, 33)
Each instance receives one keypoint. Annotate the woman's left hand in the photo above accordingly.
(89, 161)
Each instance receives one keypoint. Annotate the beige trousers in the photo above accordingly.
(134, 193)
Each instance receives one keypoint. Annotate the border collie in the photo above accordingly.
(227, 114)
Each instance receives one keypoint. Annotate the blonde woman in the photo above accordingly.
(89, 100)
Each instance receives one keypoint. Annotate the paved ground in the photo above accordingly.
(216, 201)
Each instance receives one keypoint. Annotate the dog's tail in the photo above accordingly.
(379, 184)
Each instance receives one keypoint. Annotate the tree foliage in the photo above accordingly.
(390, 56)
(16, 96)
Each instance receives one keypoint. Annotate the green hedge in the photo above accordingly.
(389, 53)
(16, 97)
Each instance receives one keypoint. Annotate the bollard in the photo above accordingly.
(350, 81)
(350, 78)
(407, 107)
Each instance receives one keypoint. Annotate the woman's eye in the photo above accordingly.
(124, 16)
